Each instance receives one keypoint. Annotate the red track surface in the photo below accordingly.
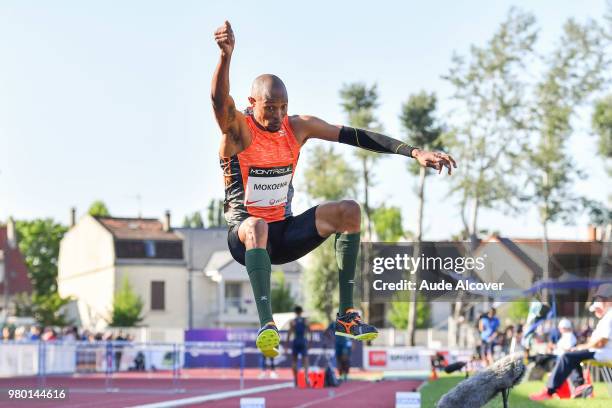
(129, 389)
(91, 392)
(350, 395)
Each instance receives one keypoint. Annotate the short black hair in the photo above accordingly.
(298, 310)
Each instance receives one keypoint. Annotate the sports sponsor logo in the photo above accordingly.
(270, 171)
(277, 201)
(378, 358)
(268, 187)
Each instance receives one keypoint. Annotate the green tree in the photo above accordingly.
(282, 301)
(49, 309)
(388, 223)
(127, 306)
(215, 216)
(23, 305)
(193, 221)
(422, 129)
(98, 209)
(518, 310)
(400, 310)
(602, 125)
(515, 121)
(601, 214)
(322, 281)
(492, 118)
(359, 102)
(573, 72)
(328, 177)
(39, 243)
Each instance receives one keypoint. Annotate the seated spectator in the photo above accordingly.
(567, 339)
(558, 345)
(599, 346)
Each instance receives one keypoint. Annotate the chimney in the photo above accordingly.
(72, 216)
(167, 225)
(592, 233)
(11, 233)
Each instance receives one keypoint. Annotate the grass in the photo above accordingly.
(519, 396)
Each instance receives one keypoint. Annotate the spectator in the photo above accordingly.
(118, 346)
(20, 334)
(7, 335)
(49, 334)
(70, 334)
(567, 339)
(264, 367)
(297, 338)
(599, 347)
(488, 326)
(507, 339)
(343, 350)
(34, 334)
(559, 344)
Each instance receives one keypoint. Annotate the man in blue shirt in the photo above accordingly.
(488, 326)
(299, 344)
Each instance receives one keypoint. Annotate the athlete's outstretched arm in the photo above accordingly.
(312, 127)
(223, 104)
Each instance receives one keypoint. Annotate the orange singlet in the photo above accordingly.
(258, 180)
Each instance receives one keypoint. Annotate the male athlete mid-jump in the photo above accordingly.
(258, 154)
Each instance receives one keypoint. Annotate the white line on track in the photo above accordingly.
(331, 397)
(215, 397)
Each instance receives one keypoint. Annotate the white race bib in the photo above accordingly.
(267, 187)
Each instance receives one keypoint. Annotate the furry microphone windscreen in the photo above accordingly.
(451, 368)
(479, 389)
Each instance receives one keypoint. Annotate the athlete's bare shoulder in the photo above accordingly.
(306, 127)
(236, 136)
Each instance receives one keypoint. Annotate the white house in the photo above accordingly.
(98, 253)
(186, 277)
(221, 292)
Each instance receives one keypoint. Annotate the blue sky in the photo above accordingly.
(109, 100)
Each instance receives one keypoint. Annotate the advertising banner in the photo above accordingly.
(396, 358)
(321, 348)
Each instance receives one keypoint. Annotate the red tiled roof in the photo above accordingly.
(15, 266)
(137, 228)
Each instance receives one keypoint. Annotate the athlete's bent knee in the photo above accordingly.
(255, 232)
(350, 211)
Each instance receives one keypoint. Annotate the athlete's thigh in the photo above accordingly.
(299, 237)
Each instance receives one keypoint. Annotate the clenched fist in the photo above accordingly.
(224, 36)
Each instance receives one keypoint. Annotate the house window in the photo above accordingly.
(149, 249)
(233, 297)
(158, 295)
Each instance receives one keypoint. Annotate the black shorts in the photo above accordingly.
(299, 349)
(288, 240)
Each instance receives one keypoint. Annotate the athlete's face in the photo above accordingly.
(270, 110)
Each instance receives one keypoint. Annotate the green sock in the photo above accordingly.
(347, 247)
(258, 267)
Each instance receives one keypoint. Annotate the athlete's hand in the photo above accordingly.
(224, 36)
(435, 160)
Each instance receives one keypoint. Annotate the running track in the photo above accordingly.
(350, 395)
(89, 393)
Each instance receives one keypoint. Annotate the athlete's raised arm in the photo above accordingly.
(310, 127)
(230, 120)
